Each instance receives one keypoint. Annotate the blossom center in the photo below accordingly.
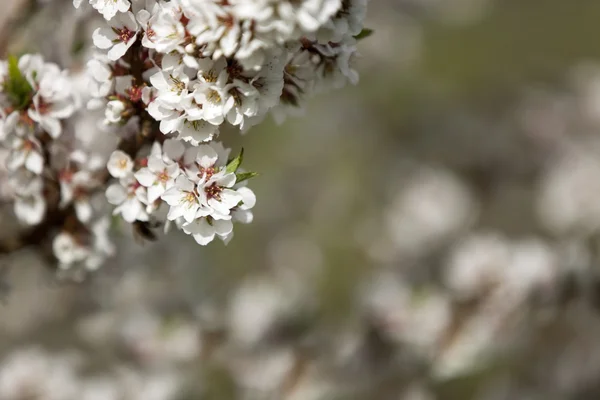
(210, 76)
(206, 172)
(178, 84)
(124, 34)
(135, 93)
(189, 198)
(150, 33)
(163, 176)
(214, 97)
(213, 191)
(43, 107)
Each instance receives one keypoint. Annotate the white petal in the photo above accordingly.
(156, 164)
(243, 216)
(207, 156)
(15, 160)
(98, 70)
(154, 192)
(103, 38)
(34, 162)
(227, 180)
(175, 212)
(230, 198)
(145, 177)
(171, 124)
(172, 196)
(116, 194)
(222, 227)
(30, 210)
(173, 149)
(83, 210)
(131, 209)
(183, 183)
(118, 51)
(52, 126)
(189, 212)
(119, 164)
(248, 197)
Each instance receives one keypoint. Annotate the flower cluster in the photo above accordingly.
(201, 191)
(214, 62)
(181, 70)
(167, 76)
(52, 181)
(34, 100)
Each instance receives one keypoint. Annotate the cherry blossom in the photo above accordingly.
(158, 177)
(119, 164)
(118, 37)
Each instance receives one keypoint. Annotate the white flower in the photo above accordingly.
(335, 68)
(31, 372)
(67, 251)
(119, 37)
(30, 209)
(119, 164)
(242, 212)
(348, 21)
(31, 65)
(25, 152)
(286, 18)
(108, 8)
(204, 230)
(218, 32)
(25, 183)
(130, 198)
(215, 193)
(8, 123)
(113, 113)
(30, 205)
(256, 92)
(197, 131)
(158, 177)
(176, 152)
(171, 84)
(477, 264)
(298, 80)
(172, 150)
(54, 99)
(211, 91)
(164, 31)
(102, 81)
(102, 247)
(79, 180)
(183, 199)
(171, 119)
(90, 250)
(75, 187)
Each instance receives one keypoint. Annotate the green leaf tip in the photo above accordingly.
(16, 85)
(365, 33)
(244, 176)
(236, 162)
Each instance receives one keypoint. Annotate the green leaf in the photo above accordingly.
(365, 33)
(243, 176)
(16, 86)
(235, 163)
(78, 47)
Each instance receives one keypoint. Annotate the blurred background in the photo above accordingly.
(431, 233)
